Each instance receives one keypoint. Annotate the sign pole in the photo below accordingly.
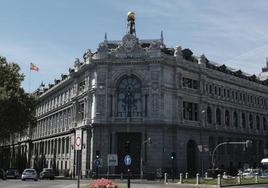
(78, 140)
(128, 177)
(78, 169)
(128, 161)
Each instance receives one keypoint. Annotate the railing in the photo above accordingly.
(219, 181)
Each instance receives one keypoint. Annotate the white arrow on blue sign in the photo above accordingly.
(127, 160)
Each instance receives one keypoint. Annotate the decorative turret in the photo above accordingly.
(131, 23)
(264, 74)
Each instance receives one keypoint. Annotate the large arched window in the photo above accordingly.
(235, 120)
(243, 120)
(264, 123)
(209, 115)
(129, 99)
(258, 122)
(218, 116)
(251, 121)
(227, 118)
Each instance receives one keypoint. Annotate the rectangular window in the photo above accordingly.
(81, 111)
(81, 86)
(190, 111)
(190, 83)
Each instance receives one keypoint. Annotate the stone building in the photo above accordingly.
(154, 101)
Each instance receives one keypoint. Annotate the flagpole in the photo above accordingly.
(30, 80)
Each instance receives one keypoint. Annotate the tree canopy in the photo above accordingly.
(16, 106)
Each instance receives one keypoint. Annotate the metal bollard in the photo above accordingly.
(224, 175)
(197, 179)
(239, 179)
(219, 180)
(186, 175)
(165, 178)
(181, 178)
(121, 176)
(256, 179)
(206, 175)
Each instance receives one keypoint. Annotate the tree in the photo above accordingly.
(16, 106)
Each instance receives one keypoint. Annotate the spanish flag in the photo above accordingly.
(34, 67)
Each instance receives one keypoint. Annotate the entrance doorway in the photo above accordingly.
(191, 157)
(134, 140)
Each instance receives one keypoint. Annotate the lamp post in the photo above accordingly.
(246, 143)
(148, 140)
(203, 113)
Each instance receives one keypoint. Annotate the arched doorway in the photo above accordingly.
(191, 157)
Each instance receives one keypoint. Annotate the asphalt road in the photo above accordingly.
(73, 184)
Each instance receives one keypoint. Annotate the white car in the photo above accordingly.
(250, 172)
(29, 174)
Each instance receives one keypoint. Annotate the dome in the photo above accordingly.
(130, 16)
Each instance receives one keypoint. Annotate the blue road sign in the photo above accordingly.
(127, 160)
(97, 162)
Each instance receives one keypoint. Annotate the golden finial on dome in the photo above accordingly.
(130, 16)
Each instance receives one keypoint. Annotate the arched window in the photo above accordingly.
(227, 118)
(129, 98)
(264, 123)
(251, 121)
(209, 115)
(243, 120)
(258, 122)
(235, 120)
(218, 116)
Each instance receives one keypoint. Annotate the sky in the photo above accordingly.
(52, 33)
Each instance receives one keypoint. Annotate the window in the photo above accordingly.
(189, 83)
(251, 121)
(81, 111)
(235, 120)
(243, 120)
(209, 115)
(227, 118)
(129, 97)
(258, 122)
(189, 111)
(218, 116)
(264, 123)
(81, 86)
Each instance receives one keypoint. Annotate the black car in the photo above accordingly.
(47, 173)
(3, 174)
(12, 173)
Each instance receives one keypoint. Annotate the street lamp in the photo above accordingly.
(203, 113)
(148, 140)
(246, 143)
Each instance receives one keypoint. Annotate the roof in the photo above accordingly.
(265, 160)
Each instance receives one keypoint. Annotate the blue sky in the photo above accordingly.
(52, 33)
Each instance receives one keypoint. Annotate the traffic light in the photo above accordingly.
(127, 147)
(173, 156)
(97, 154)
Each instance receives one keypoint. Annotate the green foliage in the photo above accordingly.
(16, 106)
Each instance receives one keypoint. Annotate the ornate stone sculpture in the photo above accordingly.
(77, 63)
(178, 51)
(203, 59)
(87, 55)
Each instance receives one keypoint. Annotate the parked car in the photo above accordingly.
(264, 173)
(3, 174)
(47, 173)
(29, 174)
(250, 172)
(12, 173)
